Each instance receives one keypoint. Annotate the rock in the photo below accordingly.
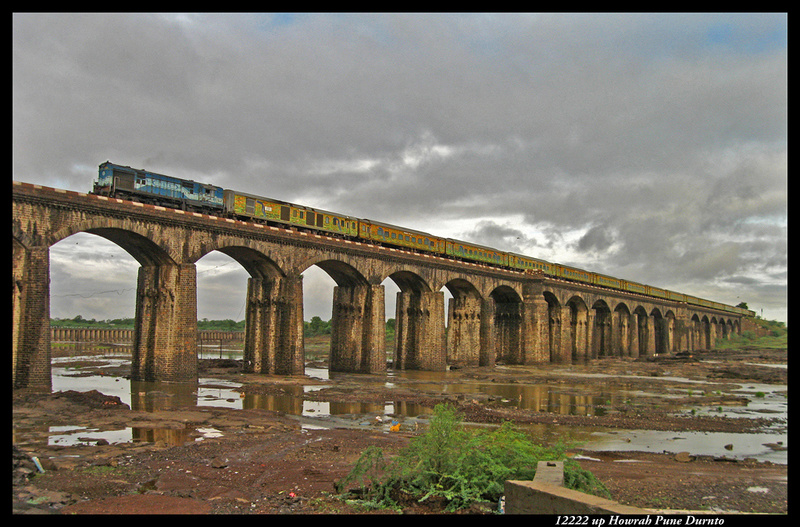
(219, 463)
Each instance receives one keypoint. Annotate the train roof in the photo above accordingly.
(518, 255)
(117, 165)
(470, 244)
(399, 228)
(282, 202)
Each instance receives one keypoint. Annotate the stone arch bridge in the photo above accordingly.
(494, 314)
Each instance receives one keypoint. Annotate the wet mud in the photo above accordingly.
(89, 452)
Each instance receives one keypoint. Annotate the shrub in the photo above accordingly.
(456, 466)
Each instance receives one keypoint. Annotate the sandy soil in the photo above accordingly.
(266, 462)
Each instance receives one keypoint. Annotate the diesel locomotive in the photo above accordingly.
(149, 187)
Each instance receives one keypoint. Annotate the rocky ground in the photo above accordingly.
(264, 461)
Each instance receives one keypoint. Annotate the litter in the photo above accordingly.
(38, 465)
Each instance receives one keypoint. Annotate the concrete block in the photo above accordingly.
(532, 497)
(551, 472)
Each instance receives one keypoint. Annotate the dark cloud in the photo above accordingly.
(596, 238)
(649, 146)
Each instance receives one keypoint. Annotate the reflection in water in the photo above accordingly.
(573, 399)
(169, 437)
(537, 398)
(156, 396)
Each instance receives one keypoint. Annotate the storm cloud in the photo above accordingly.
(652, 147)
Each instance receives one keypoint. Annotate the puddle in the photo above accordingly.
(572, 399)
(717, 444)
(71, 435)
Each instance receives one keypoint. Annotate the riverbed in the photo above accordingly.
(702, 431)
(569, 390)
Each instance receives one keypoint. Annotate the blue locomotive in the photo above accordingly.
(141, 185)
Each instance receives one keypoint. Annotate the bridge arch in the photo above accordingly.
(507, 328)
(272, 338)
(579, 329)
(554, 327)
(141, 248)
(722, 328)
(601, 332)
(621, 337)
(131, 237)
(465, 313)
(670, 342)
(694, 332)
(420, 336)
(256, 263)
(165, 308)
(358, 313)
(661, 333)
(642, 332)
(705, 336)
(410, 282)
(727, 328)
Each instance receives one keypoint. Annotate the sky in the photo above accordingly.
(651, 147)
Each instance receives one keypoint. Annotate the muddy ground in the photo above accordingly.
(266, 462)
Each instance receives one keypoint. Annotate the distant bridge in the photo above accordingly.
(120, 335)
(495, 314)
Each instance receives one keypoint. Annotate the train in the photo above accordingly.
(133, 184)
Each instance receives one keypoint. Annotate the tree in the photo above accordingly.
(317, 326)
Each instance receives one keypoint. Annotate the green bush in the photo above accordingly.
(777, 338)
(456, 466)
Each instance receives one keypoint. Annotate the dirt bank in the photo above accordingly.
(206, 459)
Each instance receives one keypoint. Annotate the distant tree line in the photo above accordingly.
(80, 322)
(316, 326)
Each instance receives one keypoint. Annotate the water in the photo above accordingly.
(570, 399)
(696, 443)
